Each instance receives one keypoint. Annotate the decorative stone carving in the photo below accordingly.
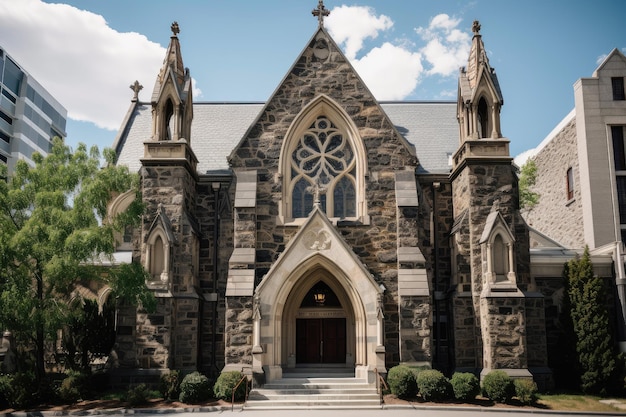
(317, 240)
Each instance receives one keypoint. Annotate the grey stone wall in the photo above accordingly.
(504, 333)
(374, 243)
(214, 256)
(496, 323)
(555, 215)
(415, 329)
(169, 338)
(239, 331)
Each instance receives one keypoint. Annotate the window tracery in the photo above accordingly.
(323, 164)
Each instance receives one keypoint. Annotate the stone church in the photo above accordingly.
(323, 228)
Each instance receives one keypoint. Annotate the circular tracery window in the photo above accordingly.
(323, 164)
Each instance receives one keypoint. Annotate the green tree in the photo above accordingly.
(53, 224)
(590, 319)
(527, 179)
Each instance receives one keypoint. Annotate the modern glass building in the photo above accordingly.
(29, 116)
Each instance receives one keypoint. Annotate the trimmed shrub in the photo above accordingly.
(498, 386)
(525, 391)
(18, 389)
(465, 386)
(402, 381)
(74, 386)
(225, 384)
(170, 386)
(432, 385)
(137, 395)
(194, 388)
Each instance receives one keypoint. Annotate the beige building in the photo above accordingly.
(581, 176)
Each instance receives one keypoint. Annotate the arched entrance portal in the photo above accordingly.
(286, 322)
(319, 325)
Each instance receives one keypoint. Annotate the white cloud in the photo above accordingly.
(351, 25)
(523, 157)
(391, 72)
(88, 65)
(447, 48)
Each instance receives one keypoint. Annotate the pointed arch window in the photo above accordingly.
(483, 118)
(323, 164)
(167, 118)
(497, 245)
(157, 259)
(500, 259)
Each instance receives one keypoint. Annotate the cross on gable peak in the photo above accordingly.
(320, 12)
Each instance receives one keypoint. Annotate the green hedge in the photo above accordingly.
(498, 386)
(194, 388)
(225, 384)
(465, 386)
(402, 381)
(432, 385)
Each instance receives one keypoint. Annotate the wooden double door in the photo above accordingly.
(321, 340)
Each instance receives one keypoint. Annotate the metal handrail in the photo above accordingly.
(245, 398)
(379, 379)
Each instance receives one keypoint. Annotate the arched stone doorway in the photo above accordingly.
(317, 253)
(319, 332)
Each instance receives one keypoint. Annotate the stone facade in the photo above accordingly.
(563, 224)
(410, 272)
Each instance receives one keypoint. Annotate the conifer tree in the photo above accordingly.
(590, 319)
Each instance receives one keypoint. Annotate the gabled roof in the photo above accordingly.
(614, 54)
(430, 127)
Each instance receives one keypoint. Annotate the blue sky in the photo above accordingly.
(87, 52)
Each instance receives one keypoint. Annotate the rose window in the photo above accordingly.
(323, 167)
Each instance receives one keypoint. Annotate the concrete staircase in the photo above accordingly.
(327, 388)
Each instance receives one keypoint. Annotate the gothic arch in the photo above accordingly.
(498, 253)
(352, 178)
(158, 250)
(117, 206)
(317, 252)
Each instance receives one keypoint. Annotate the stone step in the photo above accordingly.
(295, 390)
(316, 383)
(314, 392)
(312, 404)
(261, 396)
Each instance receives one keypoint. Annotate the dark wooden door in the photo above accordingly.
(321, 340)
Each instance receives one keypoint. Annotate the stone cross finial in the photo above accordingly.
(136, 87)
(476, 27)
(175, 28)
(320, 12)
(317, 190)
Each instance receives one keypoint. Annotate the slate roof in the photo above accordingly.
(431, 127)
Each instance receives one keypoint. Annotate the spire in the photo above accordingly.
(479, 99)
(477, 56)
(173, 58)
(321, 12)
(172, 97)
